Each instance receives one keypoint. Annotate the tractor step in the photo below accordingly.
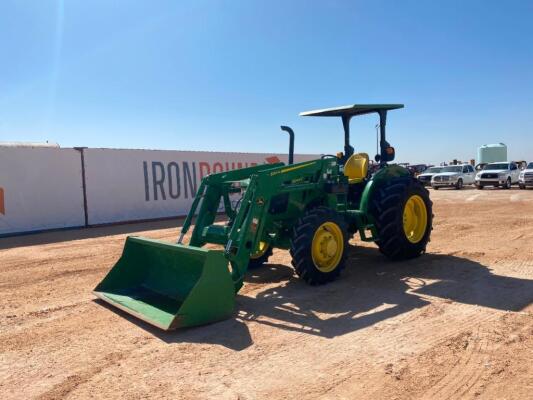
(217, 234)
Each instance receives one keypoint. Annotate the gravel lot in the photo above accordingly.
(456, 323)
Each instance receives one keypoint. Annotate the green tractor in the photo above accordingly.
(311, 209)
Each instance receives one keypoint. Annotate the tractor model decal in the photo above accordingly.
(285, 170)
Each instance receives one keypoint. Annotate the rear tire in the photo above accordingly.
(319, 246)
(389, 211)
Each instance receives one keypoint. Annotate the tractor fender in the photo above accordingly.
(381, 177)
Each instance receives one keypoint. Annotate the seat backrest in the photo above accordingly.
(356, 167)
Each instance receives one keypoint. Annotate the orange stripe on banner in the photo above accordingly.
(273, 160)
(2, 206)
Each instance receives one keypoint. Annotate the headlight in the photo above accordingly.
(478, 177)
(522, 174)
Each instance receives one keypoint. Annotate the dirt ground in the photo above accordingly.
(455, 323)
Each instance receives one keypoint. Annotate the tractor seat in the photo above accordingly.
(356, 167)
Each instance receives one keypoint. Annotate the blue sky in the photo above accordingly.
(223, 75)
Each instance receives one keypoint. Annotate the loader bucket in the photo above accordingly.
(169, 285)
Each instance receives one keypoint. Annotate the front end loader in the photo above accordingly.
(311, 209)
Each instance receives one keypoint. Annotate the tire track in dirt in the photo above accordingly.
(15, 266)
(42, 329)
(50, 277)
(39, 315)
(478, 365)
(71, 383)
(465, 370)
(464, 377)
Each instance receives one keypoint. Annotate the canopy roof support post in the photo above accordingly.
(383, 144)
(348, 150)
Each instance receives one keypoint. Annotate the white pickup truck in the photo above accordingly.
(498, 174)
(455, 176)
(425, 177)
(526, 177)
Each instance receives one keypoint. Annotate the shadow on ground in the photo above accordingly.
(63, 235)
(231, 333)
(370, 290)
(373, 289)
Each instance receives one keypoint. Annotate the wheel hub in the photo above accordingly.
(415, 219)
(327, 247)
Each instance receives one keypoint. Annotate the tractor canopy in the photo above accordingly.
(351, 110)
(347, 112)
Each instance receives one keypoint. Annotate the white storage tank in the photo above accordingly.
(489, 153)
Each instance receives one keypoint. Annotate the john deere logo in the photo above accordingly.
(2, 204)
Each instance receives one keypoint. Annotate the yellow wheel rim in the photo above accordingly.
(327, 247)
(261, 250)
(415, 219)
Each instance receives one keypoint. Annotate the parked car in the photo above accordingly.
(480, 166)
(521, 164)
(498, 174)
(425, 177)
(525, 178)
(453, 176)
(417, 169)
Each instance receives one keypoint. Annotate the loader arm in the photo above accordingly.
(254, 217)
(209, 194)
(177, 285)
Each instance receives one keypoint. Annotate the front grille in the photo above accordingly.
(489, 176)
(528, 177)
(442, 178)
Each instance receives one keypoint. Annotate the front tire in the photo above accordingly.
(319, 246)
(459, 184)
(523, 187)
(261, 256)
(507, 184)
(403, 213)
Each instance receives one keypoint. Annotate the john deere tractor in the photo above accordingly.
(311, 209)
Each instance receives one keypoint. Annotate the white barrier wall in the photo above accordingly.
(128, 185)
(40, 188)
